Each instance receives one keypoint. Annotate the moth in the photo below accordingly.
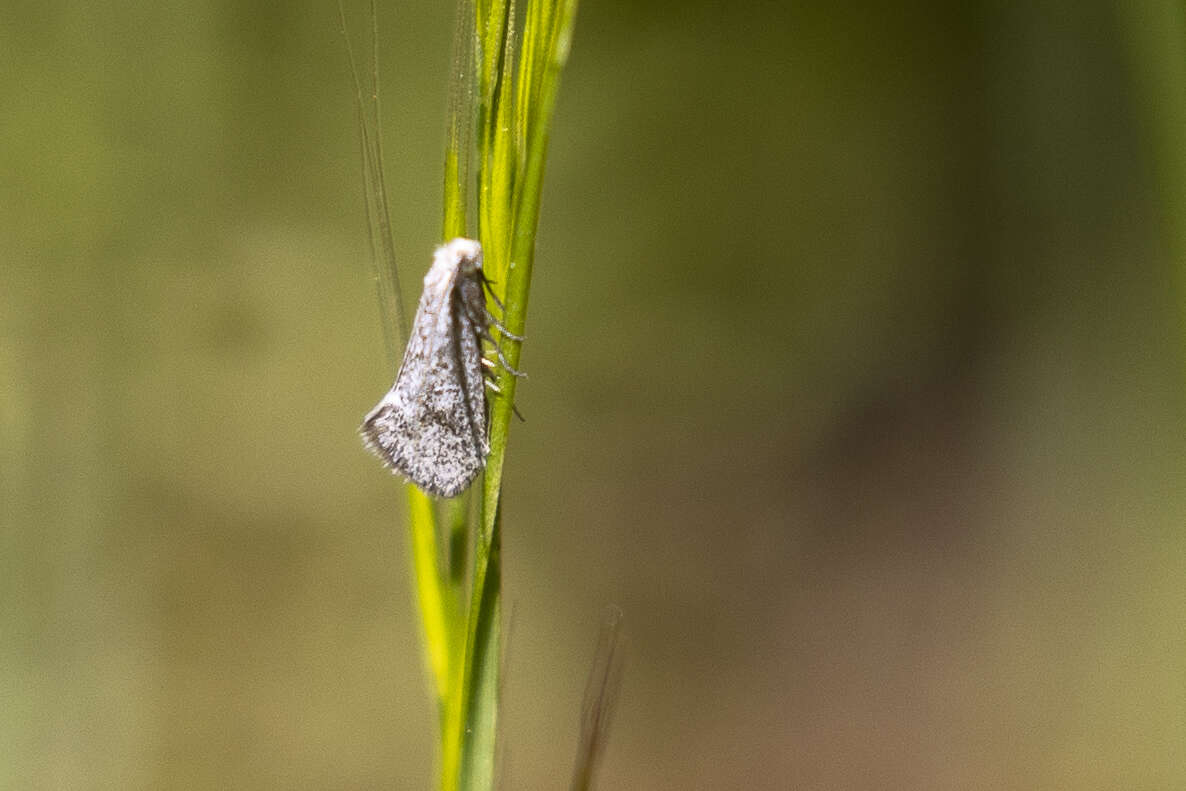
(431, 427)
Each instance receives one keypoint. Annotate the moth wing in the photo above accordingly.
(431, 425)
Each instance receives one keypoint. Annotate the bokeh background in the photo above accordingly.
(856, 361)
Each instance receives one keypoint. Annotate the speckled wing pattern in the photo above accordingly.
(431, 425)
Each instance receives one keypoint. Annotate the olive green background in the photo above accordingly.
(855, 359)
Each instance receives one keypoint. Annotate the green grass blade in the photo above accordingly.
(491, 39)
(433, 597)
(496, 235)
(513, 112)
(482, 676)
(463, 101)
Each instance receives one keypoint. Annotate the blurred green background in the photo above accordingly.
(856, 363)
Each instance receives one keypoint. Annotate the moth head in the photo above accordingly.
(466, 253)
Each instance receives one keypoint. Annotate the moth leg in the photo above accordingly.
(503, 361)
(501, 327)
(483, 332)
(486, 321)
(504, 331)
(490, 383)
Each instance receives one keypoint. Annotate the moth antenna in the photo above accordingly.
(494, 296)
(487, 282)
